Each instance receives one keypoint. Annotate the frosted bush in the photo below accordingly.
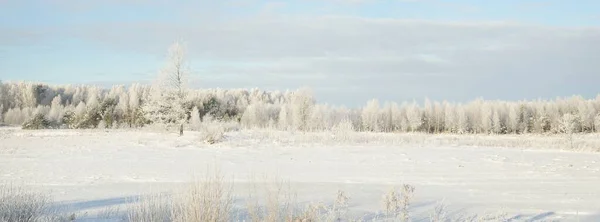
(212, 133)
(18, 204)
(397, 205)
(206, 200)
(37, 122)
(343, 130)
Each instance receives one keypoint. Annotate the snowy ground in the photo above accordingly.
(88, 171)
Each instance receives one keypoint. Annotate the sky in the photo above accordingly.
(346, 51)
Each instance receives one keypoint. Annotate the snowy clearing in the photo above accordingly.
(89, 171)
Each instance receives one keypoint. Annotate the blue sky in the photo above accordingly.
(348, 51)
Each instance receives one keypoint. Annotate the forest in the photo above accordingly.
(87, 106)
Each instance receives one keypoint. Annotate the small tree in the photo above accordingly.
(166, 104)
(568, 125)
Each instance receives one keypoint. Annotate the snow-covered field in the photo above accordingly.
(88, 171)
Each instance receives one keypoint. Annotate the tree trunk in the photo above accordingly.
(181, 130)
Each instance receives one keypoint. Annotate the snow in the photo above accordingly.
(92, 170)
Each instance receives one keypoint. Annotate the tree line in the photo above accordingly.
(85, 106)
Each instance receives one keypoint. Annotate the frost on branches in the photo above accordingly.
(165, 105)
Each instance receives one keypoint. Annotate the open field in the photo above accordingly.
(89, 171)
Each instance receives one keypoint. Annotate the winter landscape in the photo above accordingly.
(295, 110)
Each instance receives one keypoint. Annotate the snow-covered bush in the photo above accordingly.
(154, 207)
(206, 200)
(21, 205)
(212, 132)
(38, 121)
(569, 125)
(397, 205)
(343, 130)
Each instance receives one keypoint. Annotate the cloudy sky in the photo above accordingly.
(347, 51)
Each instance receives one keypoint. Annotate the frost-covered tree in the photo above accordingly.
(370, 116)
(496, 123)
(118, 105)
(597, 123)
(17, 116)
(80, 110)
(302, 103)
(397, 117)
(28, 95)
(439, 119)
(413, 115)
(513, 119)
(256, 115)
(92, 102)
(450, 118)
(487, 118)
(4, 99)
(167, 99)
(587, 112)
(463, 121)
(427, 117)
(319, 118)
(569, 125)
(195, 120)
(56, 110)
(386, 123)
(284, 121)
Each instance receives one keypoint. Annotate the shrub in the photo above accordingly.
(208, 200)
(38, 121)
(212, 130)
(396, 204)
(151, 208)
(20, 205)
(212, 133)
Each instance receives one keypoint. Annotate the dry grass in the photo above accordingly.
(439, 213)
(211, 200)
(208, 200)
(151, 208)
(279, 202)
(202, 200)
(396, 204)
(18, 204)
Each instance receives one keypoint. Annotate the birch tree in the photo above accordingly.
(165, 105)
